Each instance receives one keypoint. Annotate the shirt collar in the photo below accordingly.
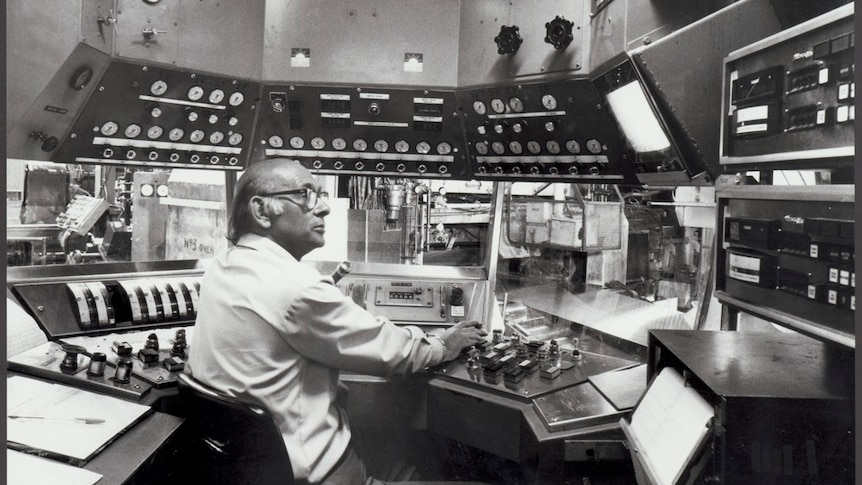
(262, 243)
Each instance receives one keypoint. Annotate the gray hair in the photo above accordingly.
(259, 178)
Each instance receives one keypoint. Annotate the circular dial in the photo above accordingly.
(594, 146)
(444, 148)
(216, 137)
(147, 190)
(297, 142)
(236, 98)
(401, 146)
(317, 143)
(573, 147)
(516, 104)
(216, 96)
(479, 107)
(423, 147)
(534, 147)
(553, 147)
(176, 134)
(381, 145)
(154, 132)
(482, 148)
(549, 101)
(360, 145)
(497, 105)
(109, 128)
(133, 130)
(162, 190)
(195, 93)
(516, 148)
(196, 136)
(498, 148)
(276, 141)
(339, 144)
(234, 139)
(158, 88)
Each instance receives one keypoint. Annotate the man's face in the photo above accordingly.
(298, 229)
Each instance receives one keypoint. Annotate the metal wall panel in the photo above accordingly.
(363, 42)
(479, 63)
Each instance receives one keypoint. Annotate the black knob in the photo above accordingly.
(558, 32)
(49, 143)
(508, 40)
(457, 296)
(374, 109)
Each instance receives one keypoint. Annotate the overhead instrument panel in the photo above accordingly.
(363, 130)
(541, 131)
(155, 116)
(791, 97)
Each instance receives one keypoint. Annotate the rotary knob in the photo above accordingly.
(508, 40)
(558, 32)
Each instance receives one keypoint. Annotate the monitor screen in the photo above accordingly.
(636, 119)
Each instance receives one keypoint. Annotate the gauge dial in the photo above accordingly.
(497, 105)
(176, 134)
(236, 98)
(109, 128)
(162, 190)
(133, 130)
(154, 132)
(339, 143)
(594, 146)
(234, 139)
(402, 146)
(195, 93)
(276, 141)
(196, 136)
(482, 148)
(479, 107)
(423, 147)
(573, 147)
(147, 190)
(534, 147)
(360, 145)
(216, 96)
(381, 145)
(216, 137)
(553, 147)
(516, 104)
(516, 147)
(444, 148)
(158, 88)
(549, 101)
(297, 142)
(498, 148)
(317, 143)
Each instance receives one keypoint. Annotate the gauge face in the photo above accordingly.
(162, 190)
(109, 128)
(147, 190)
(479, 107)
(553, 147)
(317, 143)
(236, 98)
(516, 147)
(516, 104)
(234, 139)
(216, 137)
(381, 145)
(275, 141)
(176, 134)
(402, 146)
(216, 96)
(444, 148)
(133, 130)
(339, 143)
(360, 145)
(549, 101)
(158, 88)
(482, 148)
(195, 93)
(594, 146)
(498, 148)
(497, 105)
(573, 147)
(423, 147)
(196, 136)
(534, 147)
(154, 132)
(297, 142)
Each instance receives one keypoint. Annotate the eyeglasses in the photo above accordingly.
(309, 196)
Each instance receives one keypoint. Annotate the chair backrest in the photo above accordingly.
(238, 442)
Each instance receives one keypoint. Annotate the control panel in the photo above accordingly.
(425, 302)
(82, 213)
(364, 130)
(541, 131)
(791, 97)
(155, 116)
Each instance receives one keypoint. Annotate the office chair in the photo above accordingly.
(237, 442)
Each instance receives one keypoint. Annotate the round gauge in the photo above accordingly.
(297, 142)
(360, 145)
(516, 104)
(317, 143)
(236, 98)
(553, 147)
(594, 146)
(234, 139)
(275, 141)
(195, 93)
(154, 132)
(158, 88)
(192, 116)
(482, 148)
(549, 101)
(196, 136)
(401, 146)
(216, 137)
(573, 147)
(498, 148)
(423, 147)
(497, 105)
(444, 148)
(339, 143)
(479, 107)
(133, 130)
(109, 128)
(381, 145)
(176, 134)
(213, 118)
(216, 96)
(516, 148)
(534, 147)
(147, 190)
(162, 190)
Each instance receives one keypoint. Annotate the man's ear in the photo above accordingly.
(259, 213)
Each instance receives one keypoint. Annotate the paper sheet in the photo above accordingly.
(24, 469)
(22, 331)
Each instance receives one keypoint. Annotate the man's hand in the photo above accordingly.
(462, 334)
